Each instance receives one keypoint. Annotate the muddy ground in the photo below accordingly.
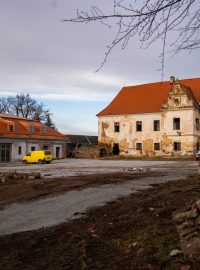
(135, 232)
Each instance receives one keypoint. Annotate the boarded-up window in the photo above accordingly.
(32, 128)
(11, 127)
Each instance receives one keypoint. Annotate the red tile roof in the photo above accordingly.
(145, 98)
(21, 128)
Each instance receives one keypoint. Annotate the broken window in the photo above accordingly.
(177, 146)
(138, 146)
(156, 125)
(176, 123)
(116, 126)
(197, 124)
(156, 146)
(138, 125)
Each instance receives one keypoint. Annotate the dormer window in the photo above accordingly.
(11, 127)
(32, 128)
(43, 129)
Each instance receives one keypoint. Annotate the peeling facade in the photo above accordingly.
(160, 119)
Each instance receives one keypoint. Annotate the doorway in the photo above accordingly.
(115, 149)
(57, 152)
(5, 152)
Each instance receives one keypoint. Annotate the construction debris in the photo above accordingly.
(10, 176)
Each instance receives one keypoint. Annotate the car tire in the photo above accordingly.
(25, 161)
(40, 161)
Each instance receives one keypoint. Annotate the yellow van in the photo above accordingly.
(42, 156)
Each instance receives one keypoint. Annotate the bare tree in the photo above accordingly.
(150, 20)
(27, 107)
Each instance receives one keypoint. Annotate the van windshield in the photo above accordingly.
(47, 152)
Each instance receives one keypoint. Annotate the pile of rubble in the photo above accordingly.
(188, 226)
(10, 176)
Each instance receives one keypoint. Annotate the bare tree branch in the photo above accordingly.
(149, 20)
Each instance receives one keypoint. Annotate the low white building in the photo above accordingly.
(156, 119)
(18, 136)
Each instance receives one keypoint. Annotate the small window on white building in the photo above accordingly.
(176, 123)
(177, 146)
(32, 148)
(138, 146)
(156, 146)
(19, 150)
(116, 126)
(138, 125)
(156, 125)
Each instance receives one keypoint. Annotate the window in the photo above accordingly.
(177, 146)
(156, 146)
(176, 123)
(19, 150)
(45, 147)
(116, 126)
(138, 125)
(32, 148)
(156, 125)
(197, 124)
(138, 146)
(43, 129)
(32, 128)
(11, 127)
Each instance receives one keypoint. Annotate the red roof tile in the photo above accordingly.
(145, 98)
(21, 128)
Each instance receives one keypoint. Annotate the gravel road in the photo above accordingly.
(54, 210)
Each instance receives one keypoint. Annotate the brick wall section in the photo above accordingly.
(188, 226)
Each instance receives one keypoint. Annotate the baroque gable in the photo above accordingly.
(180, 96)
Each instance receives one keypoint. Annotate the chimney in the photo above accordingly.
(172, 79)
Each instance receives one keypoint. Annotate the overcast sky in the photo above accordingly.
(55, 62)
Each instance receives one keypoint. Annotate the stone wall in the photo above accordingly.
(188, 226)
(90, 152)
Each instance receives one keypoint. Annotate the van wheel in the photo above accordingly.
(40, 161)
(25, 161)
(48, 162)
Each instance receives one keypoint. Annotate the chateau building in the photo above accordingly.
(155, 119)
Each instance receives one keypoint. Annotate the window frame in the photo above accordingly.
(156, 125)
(138, 146)
(138, 126)
(116, 126)
(155, 148)
(177, 146)
(176, 125)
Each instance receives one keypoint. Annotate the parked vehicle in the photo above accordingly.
(42, 156)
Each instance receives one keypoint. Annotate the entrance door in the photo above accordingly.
(5, 152)
(57, 152)
(116, 149)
